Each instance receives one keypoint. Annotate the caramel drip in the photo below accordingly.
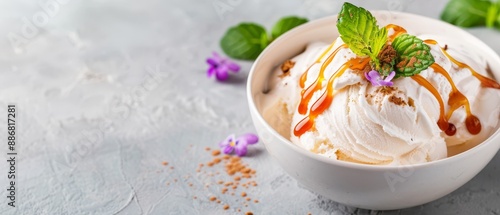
(303, 77)
(326, 98)
(398, 30)
(456, 100)
(485, 81)
(309, 91)
(442, 122)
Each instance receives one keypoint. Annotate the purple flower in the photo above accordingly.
(377, 80)
(221, 66)
(239, 145)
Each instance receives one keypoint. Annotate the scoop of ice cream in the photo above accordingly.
(380, 125)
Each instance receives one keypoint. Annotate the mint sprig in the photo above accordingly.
(247, 40)
(359, 30)
(413, 54)
(244, 41)
(285, 24)
(472, 13)
(407, 55)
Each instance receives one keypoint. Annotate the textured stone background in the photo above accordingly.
(108, 89)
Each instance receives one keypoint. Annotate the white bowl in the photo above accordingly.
(359, 185)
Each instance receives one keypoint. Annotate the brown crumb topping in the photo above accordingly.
(387, 55)
(286, 66)
(411, 102)
(397, 100)
(386, 90)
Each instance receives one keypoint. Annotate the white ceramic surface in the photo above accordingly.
(365, 186)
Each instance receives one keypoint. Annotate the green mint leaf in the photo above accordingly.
(285, 24)
(244, 41)
(466, 13)
(413, 55)
(359, 30)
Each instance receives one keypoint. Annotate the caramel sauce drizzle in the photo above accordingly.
(398, 30)
(442, 122)
(485, 81)
(455, 101)
(303, 77)
(309, 91)
(325, 100)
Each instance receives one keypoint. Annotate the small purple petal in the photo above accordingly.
(227, 141)
(210, 71)
(374, 77)
(212, 62)
(221, 74)
(241, 149)
(391, 76)
(249, 138)
(385, 83)
(216, 57)
(233, 66)
(227, 149)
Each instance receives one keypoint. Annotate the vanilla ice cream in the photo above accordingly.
(380, 125)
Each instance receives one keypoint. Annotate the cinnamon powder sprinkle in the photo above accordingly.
(241, 176)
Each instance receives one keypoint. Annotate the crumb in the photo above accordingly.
(411, 102)
(249, 213)
(286, 66)
(256, 201)
(248, 199)
(164, 163)
(220, 182)
(212, 198)
(237, 178)
(445, 47)
(397, 100)
(226, 207)
(207, 149)
(215, 152)
(243, 194)
(216, 160)
(224, 190)
(218, 201)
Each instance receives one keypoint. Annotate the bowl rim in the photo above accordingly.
(470, 152)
